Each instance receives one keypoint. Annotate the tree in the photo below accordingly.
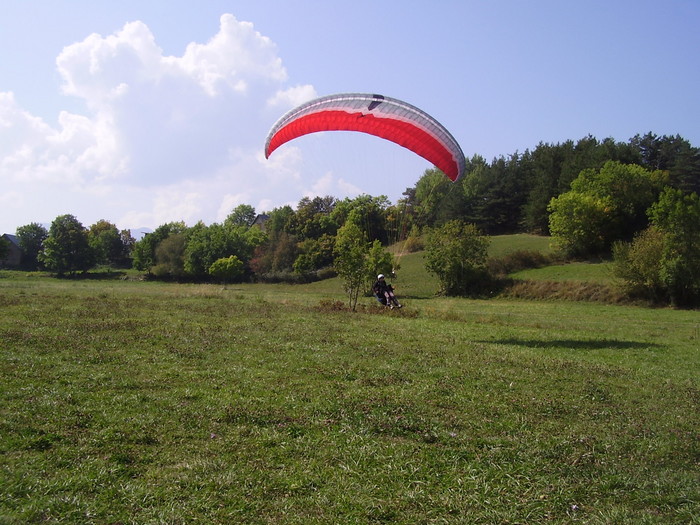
(677, 215)
(499, 208)
(399, 221)
(456, 253)
(280, 254)
(315, 254)
(66, 249)
(673, 154)
(350, 257)
(31, 241)
(170, 257)
(144, 251)
(128, 243)
(663, 262)
(638, 264)
(227, 269)
(204, 245)
(550, 168)
(604, 206)
(437, 199)
(313, 218)
(111, 246)
(242, 215)
(280, 220)
(379, 260)
(576, 222)
(367, 212)
(630, 188)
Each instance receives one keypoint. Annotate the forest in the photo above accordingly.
(590, 195)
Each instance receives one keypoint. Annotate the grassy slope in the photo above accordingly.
(163, 403)
(503, 244)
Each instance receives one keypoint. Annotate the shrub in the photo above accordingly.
(170, 257)
(227, 269)
(412, 244)
(603, 206)
(677, 215)
(414, 241)
(638, 264)
(456, 253)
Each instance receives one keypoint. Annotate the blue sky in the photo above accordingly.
(147, 112)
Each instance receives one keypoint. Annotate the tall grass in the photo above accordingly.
(139, 402)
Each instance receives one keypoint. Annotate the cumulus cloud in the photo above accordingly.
(164, 138)
(328, 184)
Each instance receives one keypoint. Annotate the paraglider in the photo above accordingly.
(377, 115)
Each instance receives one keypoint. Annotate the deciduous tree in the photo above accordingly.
(227, 269)
(170, 257)
(677, 215)
(242, 215)
(111, 246)
(144, 252)
(66, 249)
(603, 206)
(350, 260)
(31, 241)
(456, 253)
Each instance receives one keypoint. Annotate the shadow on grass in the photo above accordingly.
(577, 344)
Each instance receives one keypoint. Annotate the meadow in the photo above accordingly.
(125, 401)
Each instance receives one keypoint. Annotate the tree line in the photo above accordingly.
(594, 197)
(512, 194)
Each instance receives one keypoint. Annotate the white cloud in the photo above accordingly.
(229, 202)
(328, 184)
(166, 137)
(292, 97)
(235, 58)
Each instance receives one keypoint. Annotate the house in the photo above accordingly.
(260, 221)
(14, 255)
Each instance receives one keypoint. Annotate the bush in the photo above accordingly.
(227, 269)
(603, 206)
(677, 215)
(412, 245)
(170, 257)
(638, 264)
(456, 253)
(578, 223)
(414, 242)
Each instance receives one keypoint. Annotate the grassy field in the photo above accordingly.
(574, 271)
(503, 244)
(153, 403)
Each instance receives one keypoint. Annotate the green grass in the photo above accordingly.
(503, 244)
(413, 280)
(600, 272)
(143, 402)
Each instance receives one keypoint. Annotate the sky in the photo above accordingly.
(145, 112)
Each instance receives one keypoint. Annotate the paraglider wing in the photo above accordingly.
(384, 117)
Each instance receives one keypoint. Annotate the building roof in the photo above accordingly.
(12, 238)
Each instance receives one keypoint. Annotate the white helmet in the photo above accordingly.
(380, 276)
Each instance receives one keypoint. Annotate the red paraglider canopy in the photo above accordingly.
(377, 115)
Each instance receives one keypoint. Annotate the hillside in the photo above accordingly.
(414, 280)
